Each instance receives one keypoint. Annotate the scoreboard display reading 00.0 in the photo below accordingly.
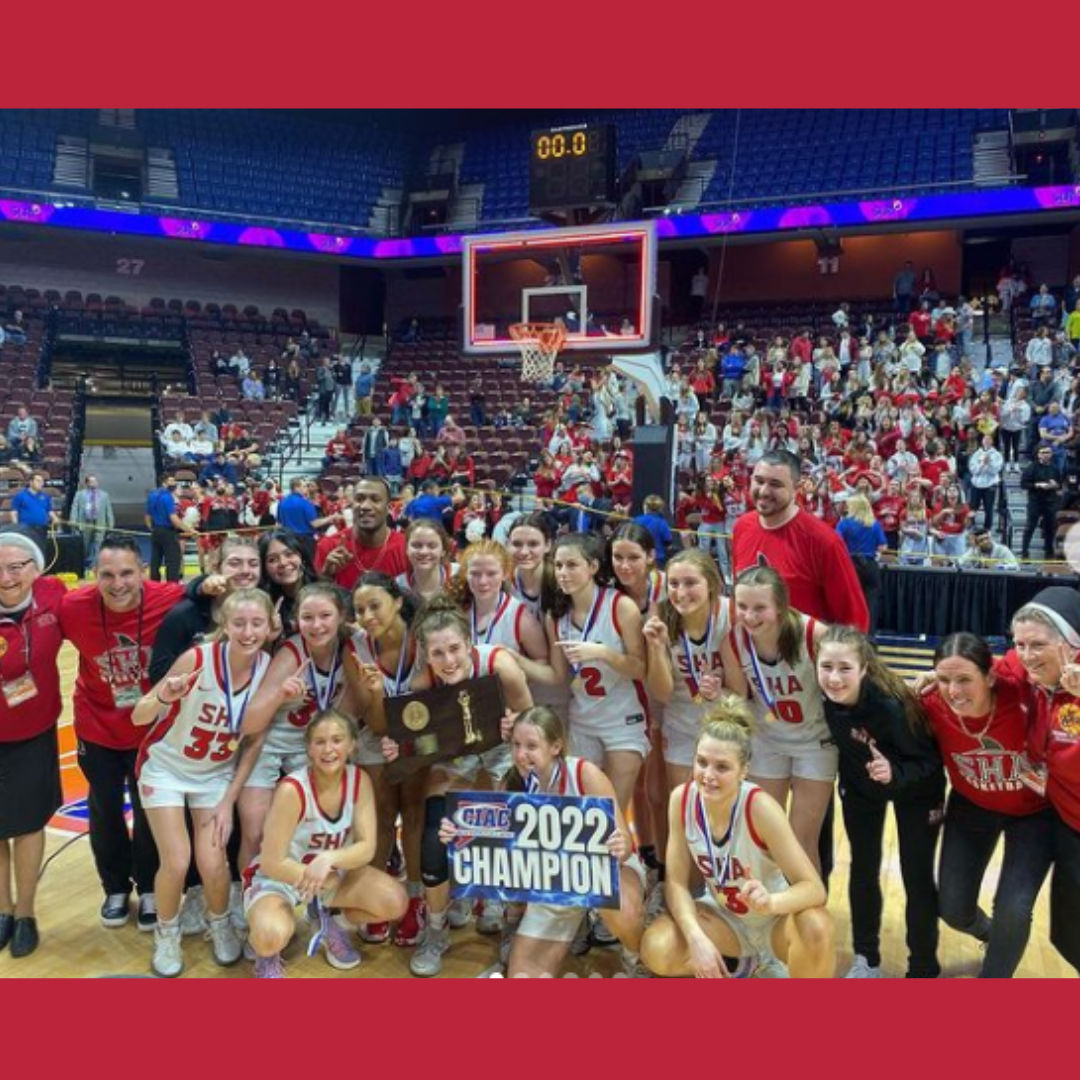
(572, 166)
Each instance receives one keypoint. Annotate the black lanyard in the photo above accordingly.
(138, 639)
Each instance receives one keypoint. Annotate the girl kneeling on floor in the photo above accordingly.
(317, 849)
(764, 904)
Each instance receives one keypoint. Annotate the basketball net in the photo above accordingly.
(539, 344)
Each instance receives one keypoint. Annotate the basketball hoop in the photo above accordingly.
(539, 344)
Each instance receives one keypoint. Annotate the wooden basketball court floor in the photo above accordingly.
(75, 945)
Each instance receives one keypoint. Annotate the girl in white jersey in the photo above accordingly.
(428, 549)
(764, 904)
(444, 636)
(189, 759)
(495, 615)
(601, 652)
(776, 648)
(685, 643)
(318, 849)
(386, 658)
(530, 540)
(306, 677)
(632, 556)
(538, 944)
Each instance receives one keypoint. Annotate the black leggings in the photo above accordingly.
(918, 825)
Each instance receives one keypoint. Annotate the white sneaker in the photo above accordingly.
(224, 940)
(861, 969)
(426, 962)
(492, 918)
(193, 913)
(168, 959)
(458, 914)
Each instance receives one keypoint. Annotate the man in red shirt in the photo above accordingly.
(113, 624)
(808, 555)
(370, 546)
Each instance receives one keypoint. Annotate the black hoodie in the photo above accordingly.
(878, 720)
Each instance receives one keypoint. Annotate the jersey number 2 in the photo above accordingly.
(592, 682)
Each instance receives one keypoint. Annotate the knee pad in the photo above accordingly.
(434, 860)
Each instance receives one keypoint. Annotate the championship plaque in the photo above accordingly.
(444, 723)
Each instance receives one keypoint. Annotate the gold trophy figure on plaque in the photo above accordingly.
(472, 735)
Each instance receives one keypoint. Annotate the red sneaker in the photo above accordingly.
(412, 924)
(374, 933)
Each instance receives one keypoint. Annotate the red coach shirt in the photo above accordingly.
(812, 560)
(31, 644)
(114, 659)
(389, 559)
(984, 755)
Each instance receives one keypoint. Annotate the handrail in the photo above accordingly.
(299, 439)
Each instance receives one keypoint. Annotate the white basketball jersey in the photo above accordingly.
(533, 603)
(407, 583)
(566, 778)
(396, 681)
(555, 697)
(798, 712)
(690, 660)
(728, 862)
(316, 832)
(193, 739)
(600, 695)
(656, 594)
(504, 625)
(285, 735)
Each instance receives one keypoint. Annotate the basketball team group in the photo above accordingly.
(244, 715)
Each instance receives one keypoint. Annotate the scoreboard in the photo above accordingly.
(572, 166)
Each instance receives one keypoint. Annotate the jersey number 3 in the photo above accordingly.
(202, 743)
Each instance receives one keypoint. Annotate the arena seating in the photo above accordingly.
(267, 164)
(28, 139)
(54, 410)
(781, 154)
(499, 455)
(784, 154)
(243, 161)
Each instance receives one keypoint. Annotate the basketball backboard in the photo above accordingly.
(599, 280)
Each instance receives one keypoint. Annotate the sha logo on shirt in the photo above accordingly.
(122, 665)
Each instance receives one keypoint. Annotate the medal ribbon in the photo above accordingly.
(256, 677)
(759, 679)
(688, 653)
(729, 839)
(504, 603)
(324, 691)
(568, 626)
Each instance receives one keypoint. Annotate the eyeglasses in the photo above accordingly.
(12, 569)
